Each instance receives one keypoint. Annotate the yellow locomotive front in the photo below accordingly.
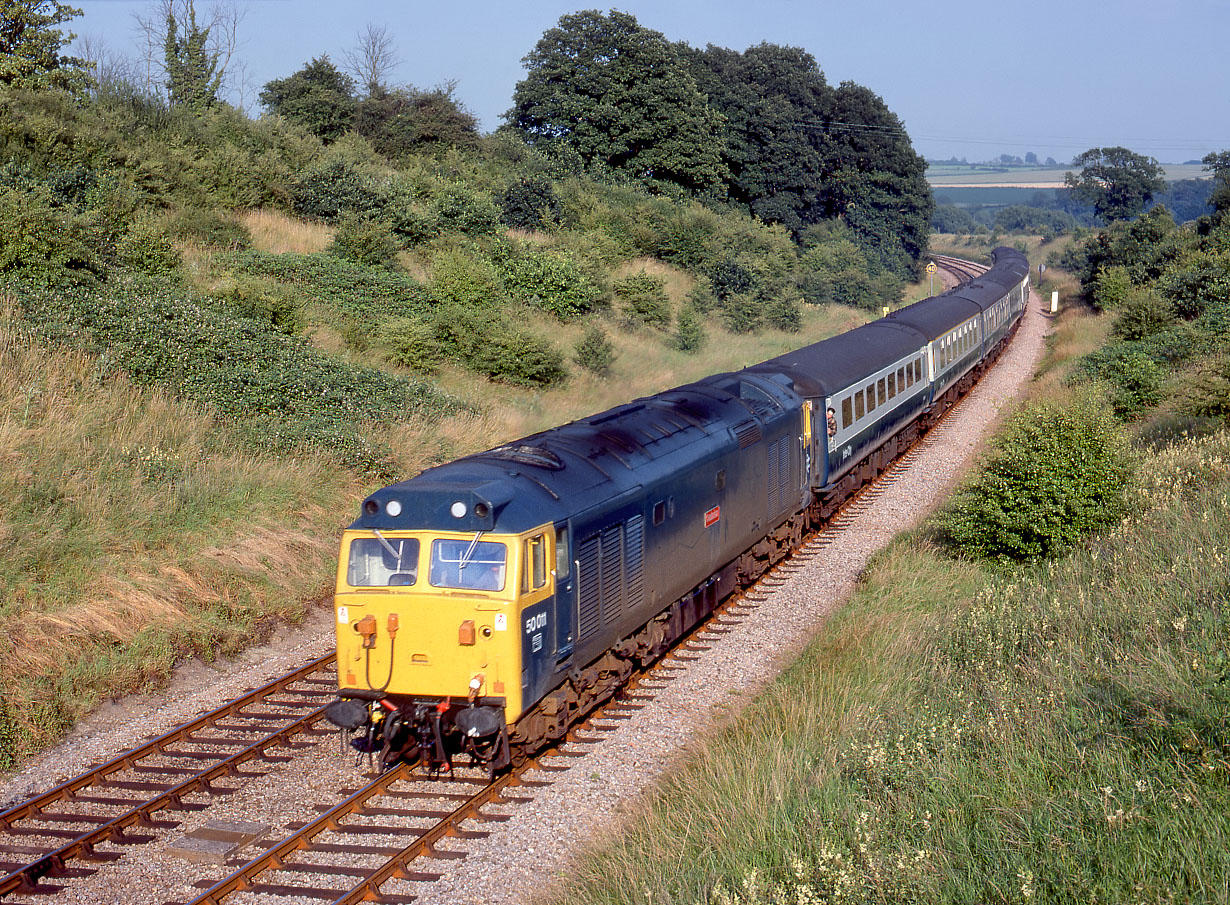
(429, 641)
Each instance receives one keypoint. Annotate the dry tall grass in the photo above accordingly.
(275, 232)
(136, 535)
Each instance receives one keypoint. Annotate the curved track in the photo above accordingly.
(393, 805)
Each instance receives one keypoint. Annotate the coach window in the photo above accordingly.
(871, 398)
(847, 413)
(901, 382)
(859, 410)
(892, 385)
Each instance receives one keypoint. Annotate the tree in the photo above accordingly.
(317, 97)
(1219, 163)
(617, 97)
(189, 60)
(372, 59)
(30, 45)
(769, 96)
(404, 120)
(1118, 183)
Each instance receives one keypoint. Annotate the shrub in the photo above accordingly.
(145, 247)
(741, 313)
(1110, 288)
(594, 352)
(530, 203)
(1053, 476)
(280, 391)
(364, 240)
(484, 342)
(466, 278)
(1205, 392)
(551, 280)
(782, 311)
(40, 242)
(643, 298)
(520, 358)
(261, 301)
(1135, 383)
(414, 345)
(335, 187)
(689, 333)
(460, 208)
(1142, 313)
(1202, 280)
(209, 227)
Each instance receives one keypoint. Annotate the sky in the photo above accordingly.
(969, 79)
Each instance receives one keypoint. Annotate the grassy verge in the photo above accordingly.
(1059, 734)
(137, 531)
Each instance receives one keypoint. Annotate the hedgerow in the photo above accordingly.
(277, 389)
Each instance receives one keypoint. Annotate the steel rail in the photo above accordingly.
(25, 879)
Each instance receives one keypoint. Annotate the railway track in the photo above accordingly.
(399, 822)
(48, 836)
(962, 269)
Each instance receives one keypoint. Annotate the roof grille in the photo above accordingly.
(747, 433)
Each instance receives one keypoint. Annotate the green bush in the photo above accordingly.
(1135, 383)
(530, 203)
(689, 332)
(465, 277)
(551, 280)
(594, 352)
(643, 299)
(1205, 391)
(741, 313)
(334, 187)
(52, 246)
(1142, 313)
(370, 294)
(782, 312)
(414, 345)
(266, 302)
(144, 247)
(364, 240)
(1198, 282)
(1111, 288)
(460, 208)
(484, 342)
(280, 391)
(1054, 475)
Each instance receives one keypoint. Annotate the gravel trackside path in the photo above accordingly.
(518, 860)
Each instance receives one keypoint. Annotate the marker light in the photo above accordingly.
(458, 509)
(393, 508)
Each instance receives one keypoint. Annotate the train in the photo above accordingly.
(486, 605)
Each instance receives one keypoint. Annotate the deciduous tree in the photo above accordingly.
(1118, 183)
(30, 45)
(318, 97)
(602, 89)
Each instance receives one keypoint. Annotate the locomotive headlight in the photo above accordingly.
(458, 509)
(393, 508)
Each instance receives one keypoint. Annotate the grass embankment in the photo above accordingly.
(1053, 735)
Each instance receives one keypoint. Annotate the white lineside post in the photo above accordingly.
(1054, 301)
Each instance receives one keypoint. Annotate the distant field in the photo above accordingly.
(1040, 177)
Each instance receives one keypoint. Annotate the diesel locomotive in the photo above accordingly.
(487, 604)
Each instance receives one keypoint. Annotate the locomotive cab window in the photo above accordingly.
(380, 562)
(468, 565)
(534, 574)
